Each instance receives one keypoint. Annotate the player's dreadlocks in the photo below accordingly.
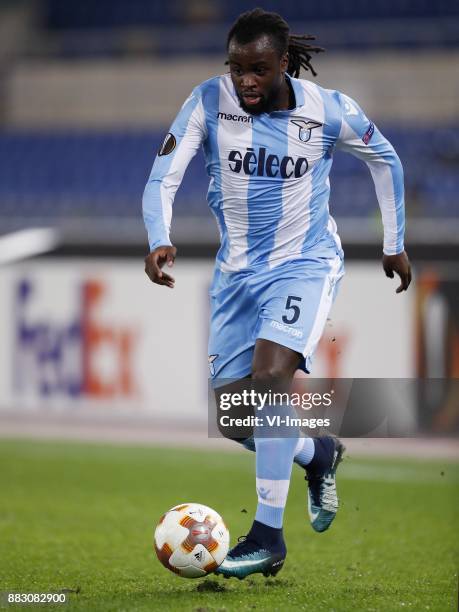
(255, 23)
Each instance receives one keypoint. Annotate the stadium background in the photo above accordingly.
(90, 349)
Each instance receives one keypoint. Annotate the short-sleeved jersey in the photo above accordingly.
(269, 173)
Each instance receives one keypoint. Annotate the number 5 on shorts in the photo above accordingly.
(292, 307)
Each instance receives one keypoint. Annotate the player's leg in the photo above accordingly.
(273, 368)
(263, 550)
(295, 315)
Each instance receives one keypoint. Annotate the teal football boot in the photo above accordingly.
(248, 557)
(322, 495)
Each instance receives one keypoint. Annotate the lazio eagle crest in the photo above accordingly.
(305, 127)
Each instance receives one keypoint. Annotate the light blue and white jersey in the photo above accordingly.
(269, 174)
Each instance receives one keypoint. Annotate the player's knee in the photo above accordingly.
(268, 374)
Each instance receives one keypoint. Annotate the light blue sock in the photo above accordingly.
(275, 450)
(274, 460)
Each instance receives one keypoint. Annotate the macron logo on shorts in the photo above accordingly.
(296, 333)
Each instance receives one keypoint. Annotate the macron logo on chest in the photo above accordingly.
(232, 117)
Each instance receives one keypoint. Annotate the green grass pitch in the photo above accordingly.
(81, 517)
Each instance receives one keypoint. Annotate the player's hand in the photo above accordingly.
(400, 264)
(156, 260)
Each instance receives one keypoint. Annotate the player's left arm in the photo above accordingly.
(360, 137)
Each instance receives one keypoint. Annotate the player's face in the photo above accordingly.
(258, 74)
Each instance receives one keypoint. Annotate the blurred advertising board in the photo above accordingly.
(94, 335)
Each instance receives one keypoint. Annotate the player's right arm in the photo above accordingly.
(183, 140)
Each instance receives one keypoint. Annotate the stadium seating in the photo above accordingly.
(110, 28)
(116, 13)
(54, 176)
